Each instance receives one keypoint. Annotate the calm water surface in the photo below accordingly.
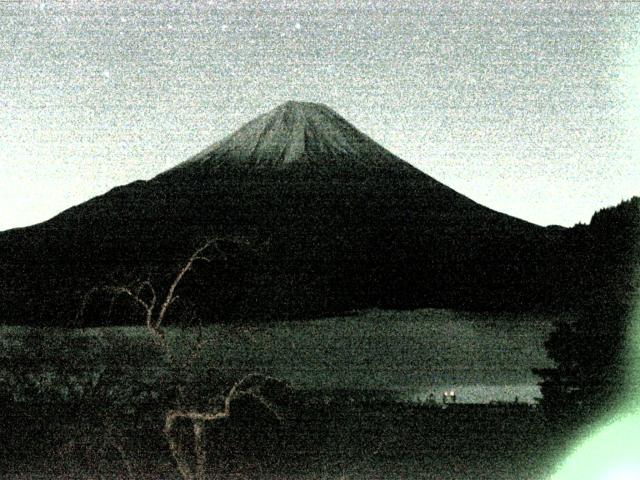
(483, 357)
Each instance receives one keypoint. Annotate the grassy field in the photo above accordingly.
(326, 441)
(90, 402)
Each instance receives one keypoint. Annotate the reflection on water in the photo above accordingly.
(479, 393)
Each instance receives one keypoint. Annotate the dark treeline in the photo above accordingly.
(590, 351)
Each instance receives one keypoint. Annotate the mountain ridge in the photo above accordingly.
(336, 222)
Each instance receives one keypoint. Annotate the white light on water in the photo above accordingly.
(479, 393)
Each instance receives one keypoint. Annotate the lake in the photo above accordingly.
(484, 357)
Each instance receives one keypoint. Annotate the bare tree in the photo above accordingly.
(248, 386)
(155, 309)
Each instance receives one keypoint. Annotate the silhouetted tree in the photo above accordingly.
(588, 348)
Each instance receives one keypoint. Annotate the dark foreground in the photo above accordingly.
(319, 438)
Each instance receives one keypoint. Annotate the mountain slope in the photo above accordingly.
(335, 221)
(298, 133)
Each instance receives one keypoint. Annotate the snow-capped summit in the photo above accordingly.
(298, 133)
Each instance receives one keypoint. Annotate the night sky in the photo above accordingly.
(529, 107)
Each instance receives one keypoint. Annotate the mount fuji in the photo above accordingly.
(335, 222)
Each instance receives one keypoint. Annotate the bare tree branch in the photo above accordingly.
(248, 386)
(170, 297)
(117, 291)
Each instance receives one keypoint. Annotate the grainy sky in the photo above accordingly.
(529, 107)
